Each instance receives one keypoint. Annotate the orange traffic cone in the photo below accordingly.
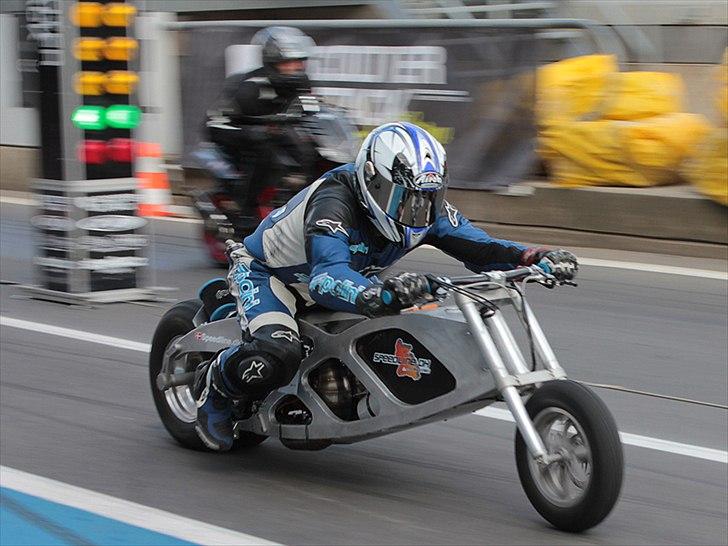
(153, 191)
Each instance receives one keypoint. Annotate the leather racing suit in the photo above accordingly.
(322, 248)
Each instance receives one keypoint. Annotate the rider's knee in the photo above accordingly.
(283, 346)
(266, 360)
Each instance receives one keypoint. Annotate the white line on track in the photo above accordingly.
(125, 511)
(655, 268)
(592, 262)
(657, 444)
(698, 452)
(638, 266)
(74, 334)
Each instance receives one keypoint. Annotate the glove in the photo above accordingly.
(390, 297)
(562, 264)
(234, 250)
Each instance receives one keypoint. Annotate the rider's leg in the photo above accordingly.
(267, 358)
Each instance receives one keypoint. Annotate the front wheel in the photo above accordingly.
(577, 491)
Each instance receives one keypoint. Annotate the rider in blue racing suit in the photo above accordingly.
(325, 246)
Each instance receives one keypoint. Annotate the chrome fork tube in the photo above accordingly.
(506, 343)
(500, 373)
(541, 344)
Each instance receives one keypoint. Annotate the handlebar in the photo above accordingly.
(498, 277)
(493, 276)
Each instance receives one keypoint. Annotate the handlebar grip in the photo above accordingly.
(517, 273)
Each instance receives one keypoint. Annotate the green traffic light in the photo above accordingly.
(123, 116)
(89, 118)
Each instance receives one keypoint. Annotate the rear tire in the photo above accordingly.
(180, 421)
(592, 477)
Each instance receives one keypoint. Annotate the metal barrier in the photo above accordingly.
(602, 37)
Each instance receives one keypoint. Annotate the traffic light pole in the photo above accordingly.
(91, 244)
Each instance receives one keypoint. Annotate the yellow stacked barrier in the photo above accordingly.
(640, 95)
(622, 153)
(601, 127)
(573, 88)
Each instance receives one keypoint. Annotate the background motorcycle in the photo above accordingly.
(316, 137)
(363, 378)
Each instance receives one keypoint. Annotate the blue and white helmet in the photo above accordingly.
(402, 176)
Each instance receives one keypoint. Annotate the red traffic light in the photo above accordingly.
(120, 150)
(92, 152)
(97, 152)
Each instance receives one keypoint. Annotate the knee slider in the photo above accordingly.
(246, 369)
(261, 364)
(282, 345)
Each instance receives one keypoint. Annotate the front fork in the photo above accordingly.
(509, 369)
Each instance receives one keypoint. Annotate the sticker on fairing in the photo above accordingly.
(408, 365)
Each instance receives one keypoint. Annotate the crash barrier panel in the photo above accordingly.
(438, 71)
(642, 153)
(707, 170)
(153, 190)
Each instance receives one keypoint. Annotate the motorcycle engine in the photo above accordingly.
(336, 385)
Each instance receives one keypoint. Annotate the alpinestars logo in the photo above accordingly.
(255, 371)
(332, 225)
(284, 334)
(408, 365)
(452, 214)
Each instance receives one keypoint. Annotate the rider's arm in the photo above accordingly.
(456, 236)
(333, 284)
(230, 121)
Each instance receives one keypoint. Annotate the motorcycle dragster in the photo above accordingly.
(362, 378)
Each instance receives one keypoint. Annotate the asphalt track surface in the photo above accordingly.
(82, 413)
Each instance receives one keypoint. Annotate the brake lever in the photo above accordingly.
(438, 291)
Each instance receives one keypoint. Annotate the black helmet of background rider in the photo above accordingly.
(284, 51)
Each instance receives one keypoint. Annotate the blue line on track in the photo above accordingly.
(29, 520)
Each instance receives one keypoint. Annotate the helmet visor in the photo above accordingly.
(410, 207)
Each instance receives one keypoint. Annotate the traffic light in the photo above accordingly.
(106, 83)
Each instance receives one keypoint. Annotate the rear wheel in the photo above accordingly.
(176, 406)
(579, 490)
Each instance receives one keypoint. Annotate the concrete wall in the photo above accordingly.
(18, 166)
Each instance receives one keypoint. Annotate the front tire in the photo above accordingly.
(579, 491)
(176, 406)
